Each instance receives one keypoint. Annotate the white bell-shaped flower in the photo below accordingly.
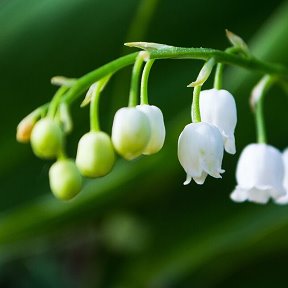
(157, 127)
(218, 107)
(259, 174)
(200, 151)
(130, 132)
(284, 199)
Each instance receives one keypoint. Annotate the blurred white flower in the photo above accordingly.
(130, 132)
(200, 151)
(284, 199)
(260, 174)
(218, 107)
(157, 127)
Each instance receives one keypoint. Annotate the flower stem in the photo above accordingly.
(84, 82)
(260, 123)
(56, 101)
(196, 116)
(167, 52)
(94, 103)
(134, 88)
(251, 63)
(144, 82)
(218, 76)
(94, 110)
(256, 100)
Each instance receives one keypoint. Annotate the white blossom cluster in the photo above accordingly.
(201, 145)
(262, 170)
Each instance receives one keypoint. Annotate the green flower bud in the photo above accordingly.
(47, 138)
(95, 154)
(130, 132)
(65, 179)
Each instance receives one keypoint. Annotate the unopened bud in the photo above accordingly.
(47, 138)
(24, 129)
(95, 154)
(65, 179)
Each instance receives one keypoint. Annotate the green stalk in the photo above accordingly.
(88, 79)
(56, 101)
(260, 123)
(94, 110)
(257, 100)
(250, 63)
(170, 52)
(196, 116)
(144, 82)
(218, 76)
(134, 88)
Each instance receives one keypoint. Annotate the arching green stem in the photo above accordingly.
(144, 82)
(88, 79)
(94, 103)
(167, 52)
(257, 100)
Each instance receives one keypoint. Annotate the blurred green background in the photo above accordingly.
(139, 226)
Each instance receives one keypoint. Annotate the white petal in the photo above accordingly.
(200, 180)
(229, 144)
(239, 194)
(157, 127)
(258, 195)
(188, 180)
(218, 107)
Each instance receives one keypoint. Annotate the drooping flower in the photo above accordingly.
(259, 174)
(130, 132)
(95, 154)
(218, 107)
(65, 179)
(47, 138)
(200, 151)
(157, 127)
(284, 199)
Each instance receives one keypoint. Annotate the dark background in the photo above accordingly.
(138, 226)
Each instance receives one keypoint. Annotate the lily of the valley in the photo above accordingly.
(259, 174)
(200, 151)
(130, 132)
(218, 107)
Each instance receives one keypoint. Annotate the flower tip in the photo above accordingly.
(229, 145)
(188, 180)
(193, 84)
